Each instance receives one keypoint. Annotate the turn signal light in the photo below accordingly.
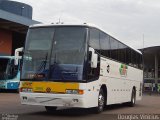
(26, 90)
(80, 92)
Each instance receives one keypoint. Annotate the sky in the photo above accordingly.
(130, 21)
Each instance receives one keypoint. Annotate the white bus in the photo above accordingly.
(78, 66)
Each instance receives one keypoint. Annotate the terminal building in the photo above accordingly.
(15, 18)
(151, 57)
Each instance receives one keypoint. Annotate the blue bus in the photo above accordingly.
(9, 73)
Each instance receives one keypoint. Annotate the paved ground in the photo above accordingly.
(10, 105)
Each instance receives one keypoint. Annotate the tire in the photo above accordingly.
(50, 109)
(133, 99)
(17, 90)
(101, 102)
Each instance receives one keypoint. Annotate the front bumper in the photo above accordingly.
(49, 99)
(3, 85)
(9, 85)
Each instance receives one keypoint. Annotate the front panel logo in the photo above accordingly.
(48, 89)
(26, 84)
(123, 70)
(108, 69)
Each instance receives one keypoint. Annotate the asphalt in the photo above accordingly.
(10, 107)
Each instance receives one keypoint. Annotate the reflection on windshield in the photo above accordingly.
(60, 58)
(69, 45)
(34, 63)
(66, 72)
(39, 39)
(3, 68)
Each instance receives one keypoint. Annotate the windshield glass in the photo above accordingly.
(55, 53)
(3, 68)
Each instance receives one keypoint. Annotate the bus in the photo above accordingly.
(10, 72)
(78, 66)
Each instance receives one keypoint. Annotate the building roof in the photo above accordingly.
(15, 22)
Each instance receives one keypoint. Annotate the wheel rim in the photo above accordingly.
(133, 99)
(101, 101)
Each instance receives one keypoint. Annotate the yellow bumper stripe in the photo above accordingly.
(54, 87)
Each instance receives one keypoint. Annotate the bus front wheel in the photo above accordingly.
(50, 108)
(101, 102)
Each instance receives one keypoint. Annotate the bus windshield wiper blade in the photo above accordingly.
(43, 63)
(42, 66)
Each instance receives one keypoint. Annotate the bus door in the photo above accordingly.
(3, 68)
(13, 75)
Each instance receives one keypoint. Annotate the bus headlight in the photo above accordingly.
(26, 90)
(74, 92)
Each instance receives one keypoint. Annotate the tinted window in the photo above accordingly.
(140, 65)
(134, 59)
(13, 70)
(114, 48)
(122, 52)
(39, 39)
(68, 42)
(128, 56)
(105, 44)
(3, 67)
(94, 39)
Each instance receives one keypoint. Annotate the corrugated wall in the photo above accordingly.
(5, 42)
(16, 8)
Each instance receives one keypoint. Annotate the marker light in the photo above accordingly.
(75, 92)
(26, 90)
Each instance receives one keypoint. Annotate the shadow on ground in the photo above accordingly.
(8, 91)
(77, 111)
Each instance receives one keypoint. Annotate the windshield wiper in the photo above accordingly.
(41, 67)
(43, 64)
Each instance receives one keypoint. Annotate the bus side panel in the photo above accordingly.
(91, 93)
(114, 87)
(135, 78)
(120, 80)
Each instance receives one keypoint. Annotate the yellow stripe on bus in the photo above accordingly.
(54, 87)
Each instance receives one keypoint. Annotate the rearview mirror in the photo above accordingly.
(94, 58)
(17, 55)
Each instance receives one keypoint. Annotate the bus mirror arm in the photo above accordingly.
(17, 56)
(94, 58)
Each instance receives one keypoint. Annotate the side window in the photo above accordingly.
(134, 59)
(141, 62)
(140, 65)
(128, 56)
(105, 44)
(122, 53)
(114, 48)
(94, 39)
(93, 73)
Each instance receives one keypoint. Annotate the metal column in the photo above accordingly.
(156, 71)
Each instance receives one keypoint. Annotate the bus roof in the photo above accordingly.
(7, 57)
(81, 24)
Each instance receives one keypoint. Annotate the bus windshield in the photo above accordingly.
(3, 69)
(54, 53)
